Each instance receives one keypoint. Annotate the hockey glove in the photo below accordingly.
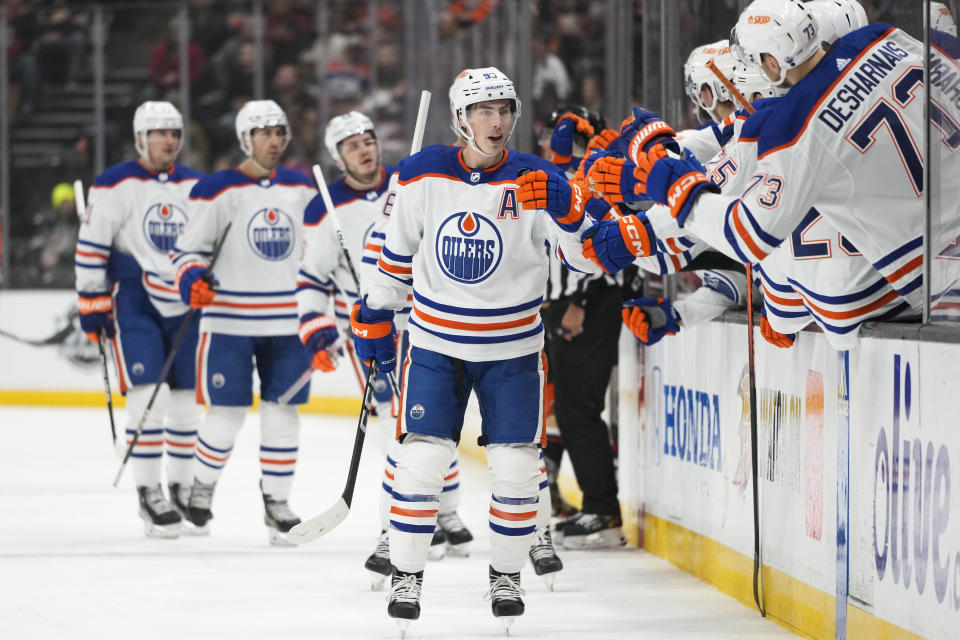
(374, 336)
(96, 314)
(602, 140)
(563, 200)
(319, 334)
(613, 179)
(615, 244)
(777, 339)
(196, 285)
(561, 142)
(671, 180)
(644, 129)
(649, 319)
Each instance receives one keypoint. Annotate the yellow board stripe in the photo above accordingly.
(331, 405)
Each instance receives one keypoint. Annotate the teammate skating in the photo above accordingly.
(250, 319)
(136, 211)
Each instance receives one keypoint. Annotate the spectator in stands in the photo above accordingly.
(51, 248)
(165, 62)
(24, 70)
(548, 69)
(61, 46)
(208, 26)
(287, 31)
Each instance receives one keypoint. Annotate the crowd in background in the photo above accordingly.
(50, 42)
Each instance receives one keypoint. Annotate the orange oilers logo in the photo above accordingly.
(162, 224)
(758, 19)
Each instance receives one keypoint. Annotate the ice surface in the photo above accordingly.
(74, 562)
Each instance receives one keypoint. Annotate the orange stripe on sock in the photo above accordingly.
(506, 515)
(413, 513)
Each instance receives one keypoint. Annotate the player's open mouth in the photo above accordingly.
(495, 139)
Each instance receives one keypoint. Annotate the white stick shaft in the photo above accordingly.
(327, 200)
(421, 122)
(78, 197)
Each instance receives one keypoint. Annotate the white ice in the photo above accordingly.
(74, 562)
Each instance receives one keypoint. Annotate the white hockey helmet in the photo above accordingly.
(472, 86)
(941, 20)
(701, 75)
(837, 18)
(784, 29)
(697, 58)
(749, 81)
(256, 114)
(153, 115)
(341, 128)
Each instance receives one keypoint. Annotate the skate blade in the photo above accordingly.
(458, 550)
(190, 529)
(437, 551)
(606, 539)
(507, 622)
(166, 531)
(279, 538)
(549, 579)
(377, 581)
(403, 625)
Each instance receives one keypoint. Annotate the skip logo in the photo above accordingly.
(911, 508)
(270, 233)
(469, 247)
(758, 19)
(162, 224)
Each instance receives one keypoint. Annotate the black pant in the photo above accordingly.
(580, 370)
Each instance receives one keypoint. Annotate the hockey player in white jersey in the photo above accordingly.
(360, 196)
(477, 269)
(249, 311)
(126, 291)
(859, 100)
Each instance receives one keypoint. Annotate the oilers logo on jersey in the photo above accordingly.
(162, 224)
(469, 247)
(271, 233)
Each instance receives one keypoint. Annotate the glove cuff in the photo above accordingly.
(94, 303)
(313, 322)
(648, 135)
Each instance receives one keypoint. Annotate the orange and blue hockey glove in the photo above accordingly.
(602, 140)
(672, 180)
(96, 314)
(318, 333)
(650, 319)
(774, 337)
(562, 199)
(612, 178)
(374, 336)
(561, 141)
(615, 244)
(644, 129)
(195, 285)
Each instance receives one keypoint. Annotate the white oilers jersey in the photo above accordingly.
(129, 229)
(473, 258)
(845, 141)
(706, 141)
(324, 277)
(256, 271)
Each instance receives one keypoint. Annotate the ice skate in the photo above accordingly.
(457, 534)
(404, 604)
(180, 498)
(587, 531)
(160, 518)
(378, 564)
(438, 545)
(504, 596)
(198, 508)
(279, 519)
(543, 556)
(559, 507)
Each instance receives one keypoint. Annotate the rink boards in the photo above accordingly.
(686, 479)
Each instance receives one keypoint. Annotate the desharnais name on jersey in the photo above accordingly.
(473, 257)
(843, 140)
(256, 271)
(129, 230)
(323, 271)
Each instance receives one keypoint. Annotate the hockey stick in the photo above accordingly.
(322, 524)
(168, 363)
(752, 373)
(80, 202)
(56, 338)
(415, 145)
